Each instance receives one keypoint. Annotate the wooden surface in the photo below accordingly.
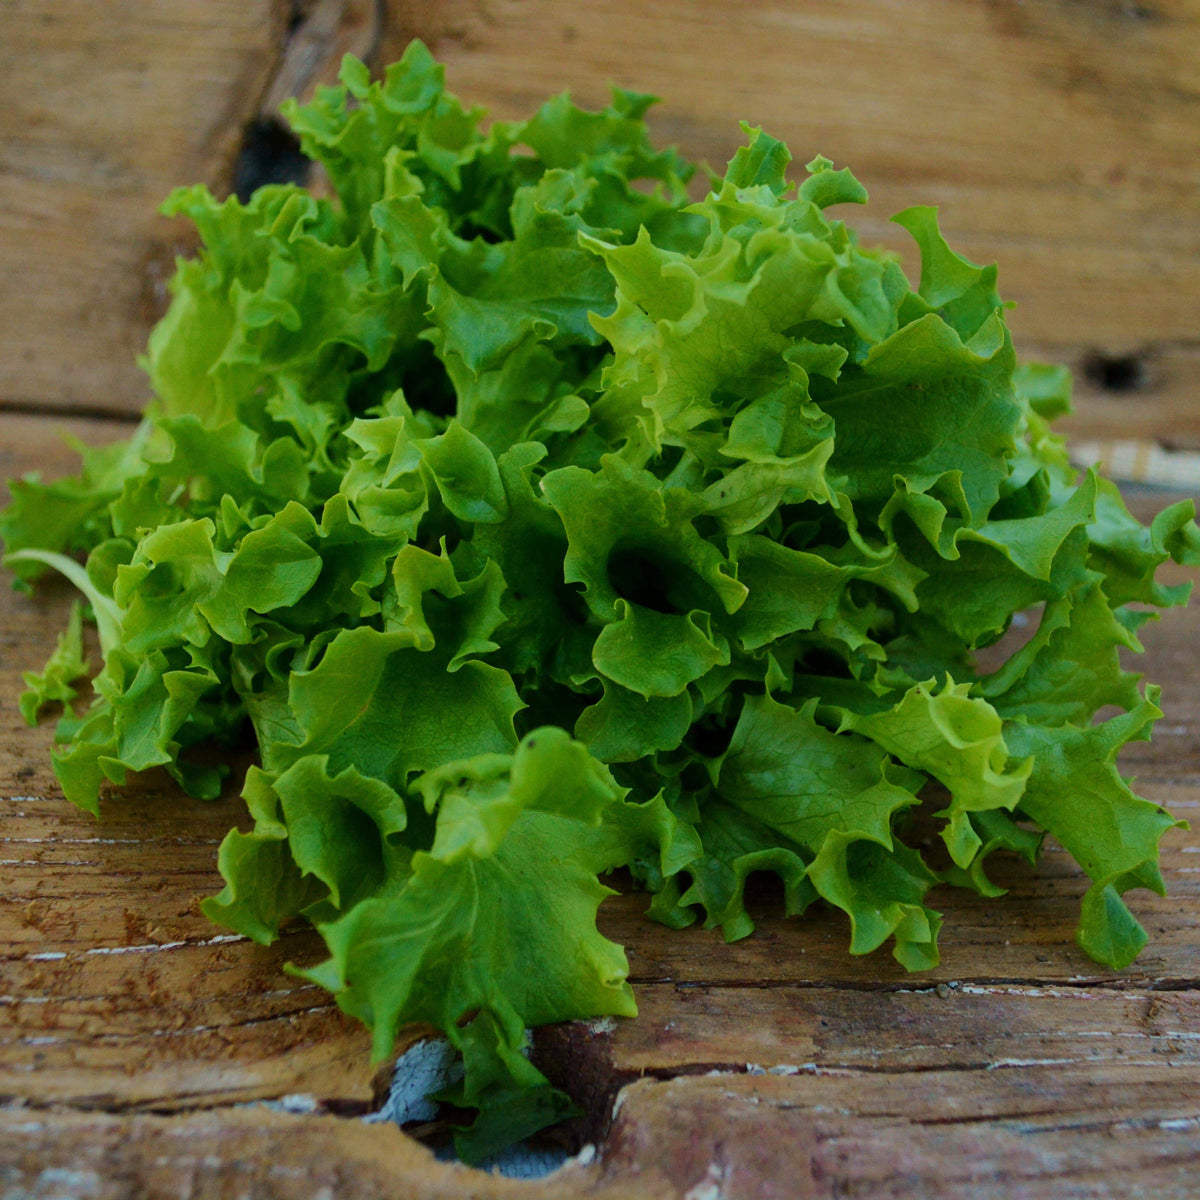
(134, 1032)
(1058, 137)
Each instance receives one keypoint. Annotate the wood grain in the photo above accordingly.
(240, 1153)
(996, 1134)
(133, 1033)
(1057, 137)
(106, 109)
(1056, 134)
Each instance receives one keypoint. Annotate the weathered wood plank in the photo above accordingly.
(1152, 394)
(1055, 135)
(814, 1030)
(119, 992)
(1096, 229)
(103, 972)
(928, 1134)
(1049, 1131)
(106, 109)
(251, 1152)
(1057, 139)
(1029, 934)
(1029, 1070)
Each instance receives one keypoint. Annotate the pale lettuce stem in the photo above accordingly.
(108, 614)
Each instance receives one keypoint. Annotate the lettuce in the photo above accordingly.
(534, 521)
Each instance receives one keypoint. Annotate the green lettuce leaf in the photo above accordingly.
(527, 519)
(1076, 794)
(66, 664)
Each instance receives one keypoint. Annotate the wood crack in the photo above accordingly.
(318, 35)
(30, 407)
(892, 987)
